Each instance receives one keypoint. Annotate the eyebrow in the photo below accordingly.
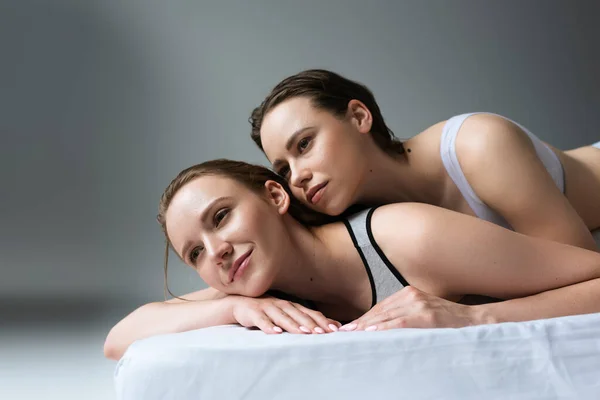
(291, 140)
(203, 217)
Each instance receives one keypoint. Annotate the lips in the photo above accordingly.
(237, 263)
(310, 195)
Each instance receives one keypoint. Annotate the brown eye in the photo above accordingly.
(303, 144)
(220, 215)
(194, 254)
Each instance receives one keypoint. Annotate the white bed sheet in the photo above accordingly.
(546, 359)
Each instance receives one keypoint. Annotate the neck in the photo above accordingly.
(396, 178)
(320, 267)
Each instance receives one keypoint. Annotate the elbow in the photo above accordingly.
(112, 349)
(111, 352)
(125, 332)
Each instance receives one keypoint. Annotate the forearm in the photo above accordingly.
(161, 318)
(581, 298)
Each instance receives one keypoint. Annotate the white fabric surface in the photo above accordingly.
(547, 359)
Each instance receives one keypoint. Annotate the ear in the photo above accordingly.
(360, 116)
(278, 196)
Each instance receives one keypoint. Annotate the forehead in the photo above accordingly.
(285, 119)
(194, 197)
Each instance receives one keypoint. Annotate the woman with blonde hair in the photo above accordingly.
(238, 226)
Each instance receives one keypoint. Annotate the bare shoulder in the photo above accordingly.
(421, 225)
(408, 223)
(428, 138)
(485, 137)
(409, 235)
(395, 212)
(476, 132)
(424, 150)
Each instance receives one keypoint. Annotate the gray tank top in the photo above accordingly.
(384, 277)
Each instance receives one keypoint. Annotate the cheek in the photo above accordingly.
(297, 192)
(269, 237)
(268, 233)
(332, 153)
(242, 227)
(247, 227)
(210, 278)
(255, 223)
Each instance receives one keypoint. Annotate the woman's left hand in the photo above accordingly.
(413, 308)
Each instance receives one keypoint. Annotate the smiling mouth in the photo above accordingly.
(239, 266)
(315, 193)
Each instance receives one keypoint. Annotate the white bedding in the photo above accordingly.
(546, 359)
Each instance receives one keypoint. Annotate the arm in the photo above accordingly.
(451, 254)
(207, 308)
(582, 298)
(445, 255)
(413, 308)
(210, 307)
(500, 162)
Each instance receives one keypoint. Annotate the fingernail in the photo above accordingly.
(371, 328)
(304, 329)
(333, 327)
(319, 330)
(277, 329)
(349, 327)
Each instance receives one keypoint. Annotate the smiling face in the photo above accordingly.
(230, 234)
(320, 155)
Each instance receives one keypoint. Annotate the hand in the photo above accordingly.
(272, 315)
(413, 308)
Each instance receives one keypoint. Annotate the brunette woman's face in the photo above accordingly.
(318, 153)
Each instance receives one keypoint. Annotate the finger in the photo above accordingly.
(350, 326)
(326, 324)
(402, 298)
(307, 323)
(353, 325)
(333, 324)
(389, 308)
(375, 319)
(411, 321)
(265, 324)
(282, 319)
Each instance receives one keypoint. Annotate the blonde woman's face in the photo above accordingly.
(228, 233)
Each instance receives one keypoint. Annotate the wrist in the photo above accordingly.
(231, 304)
(483, 314)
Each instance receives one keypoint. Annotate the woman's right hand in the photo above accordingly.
(273, 315)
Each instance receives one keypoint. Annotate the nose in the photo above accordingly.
(218, 249)
(299, 176)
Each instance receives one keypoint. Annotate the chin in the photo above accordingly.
(256, 286)
(336, 202)
(254, 291)
(335, 209)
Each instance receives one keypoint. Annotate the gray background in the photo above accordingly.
(102, 102)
